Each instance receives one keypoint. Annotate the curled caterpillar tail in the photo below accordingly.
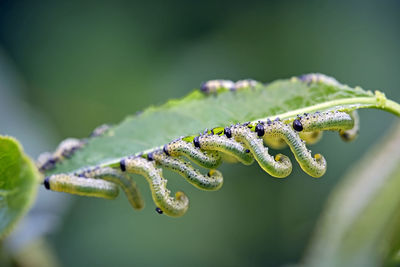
(81, 186)
(174, 207)
(227, 146)
(212, 181)
(280, 166)
(351, 134)
(124, 181)
(209, 159)
(313, 166)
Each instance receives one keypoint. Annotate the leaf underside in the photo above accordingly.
(19, 182)
(194, 113)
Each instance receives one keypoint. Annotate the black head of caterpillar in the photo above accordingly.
(159, 211)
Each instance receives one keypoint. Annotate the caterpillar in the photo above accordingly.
(47, 161)
(318, 78)
(183, 147)
(158, 185)
(224, 144)
(65, 149)
(100, 130)
(247, 83)
(279, 166)
(98, 182)
(125, 182)
(81, 186)
(216, 86)
(244, 143)
(314, 167)
(212, 181)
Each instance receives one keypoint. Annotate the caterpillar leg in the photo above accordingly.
(313, 166)
(161, 195)
(81, 186)
(350, 135)
(124, 181)
(225, 145)
(280, 166)
(212, 181)
(180, 147)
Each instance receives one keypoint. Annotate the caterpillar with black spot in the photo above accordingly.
(243, 143)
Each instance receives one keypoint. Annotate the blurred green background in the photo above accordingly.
(75, 65)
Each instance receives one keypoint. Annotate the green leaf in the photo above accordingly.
(192, 114)
(19, 180)
(360, 225)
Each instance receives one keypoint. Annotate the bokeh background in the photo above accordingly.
(67, 67)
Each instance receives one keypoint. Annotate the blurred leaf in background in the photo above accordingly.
(85, 64)
(19, 184)
(26, 243)
(360, 224)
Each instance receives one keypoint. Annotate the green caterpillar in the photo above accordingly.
(241, 142)
(117, 177)
(314, 167)
(81, 186)
(180, 147)
(97, 182)
(158, 185)
(279, 166)
(212, 181)
(220, 142)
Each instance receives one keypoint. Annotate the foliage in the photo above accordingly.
(194, 113)
(18, 183)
